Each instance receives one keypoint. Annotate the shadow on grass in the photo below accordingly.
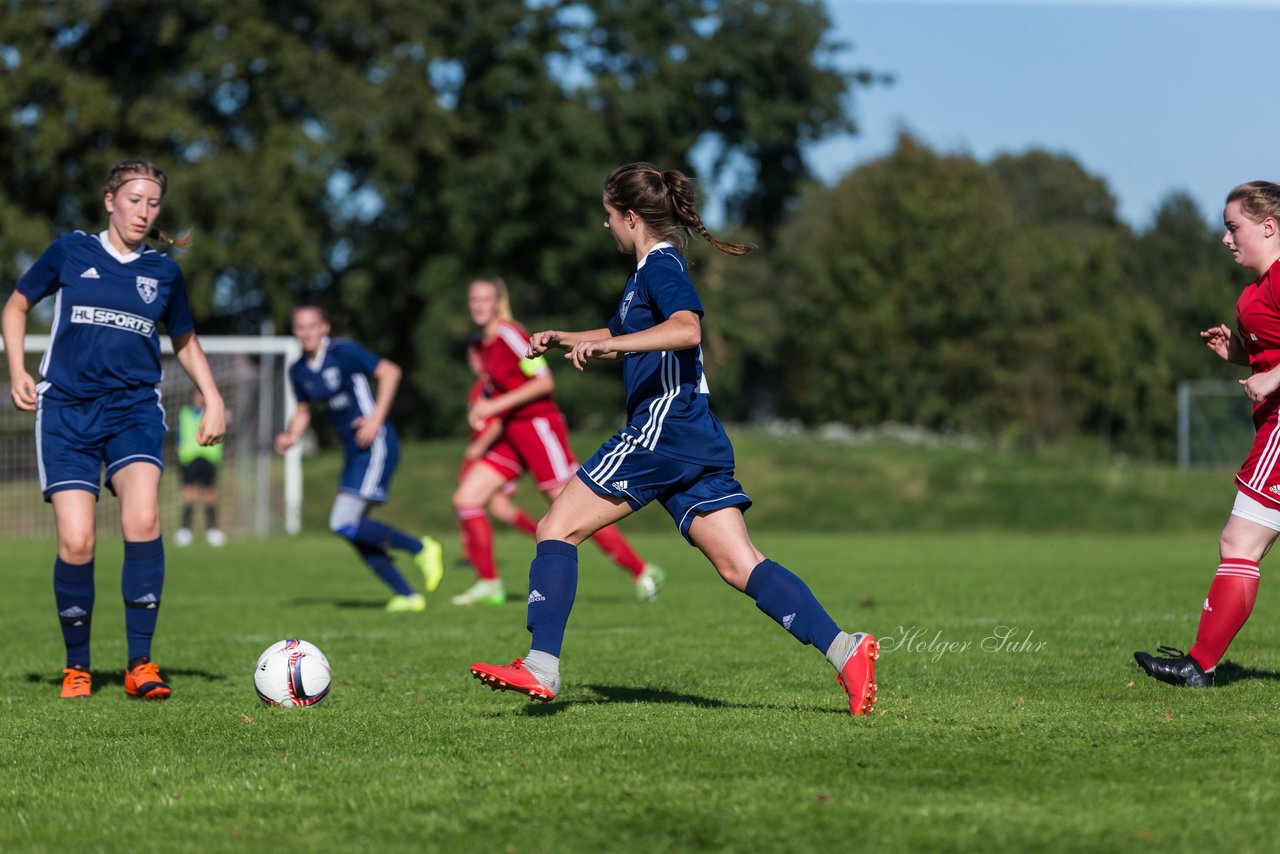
(1229, 671)
(367, 604)
(102, 678)
(624, 694)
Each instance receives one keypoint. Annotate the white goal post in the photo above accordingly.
(1215, 424)
(259, 492)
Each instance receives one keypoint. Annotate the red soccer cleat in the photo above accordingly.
(513, 677)
(858, 676)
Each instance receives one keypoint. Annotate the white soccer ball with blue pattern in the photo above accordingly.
(292, 674)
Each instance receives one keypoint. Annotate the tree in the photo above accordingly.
(378, 153)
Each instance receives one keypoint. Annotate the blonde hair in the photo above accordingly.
(126, 171)
(665, 201)
(504, 296)
(1258, 199)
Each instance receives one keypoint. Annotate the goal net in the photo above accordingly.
(1215, 424)
(259, 492)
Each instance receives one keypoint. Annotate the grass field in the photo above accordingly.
(1011, 716)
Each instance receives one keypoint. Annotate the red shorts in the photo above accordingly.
(1259, 477)
(537, 445)
(509, 488)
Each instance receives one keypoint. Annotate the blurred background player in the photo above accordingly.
(200, 465)
(99, 404)
(534, 438)
(483, 434)
(1252, 220)
(672, 450)
(340, 376)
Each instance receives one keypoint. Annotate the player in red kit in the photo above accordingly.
(483, 434)
(1252, 218)
(534, 439)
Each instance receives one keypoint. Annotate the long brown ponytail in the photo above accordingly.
(666, 203)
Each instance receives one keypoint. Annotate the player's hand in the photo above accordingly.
(541, 342)
(584, 350)
(284, 442)
(23, 391)
(481, 411)
(213, 424)
(1218, 339)
(367, 428)
(1261, 386)
(475, 450)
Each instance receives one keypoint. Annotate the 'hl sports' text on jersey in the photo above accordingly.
(108, 308)
(1258, 325)
(667, 407)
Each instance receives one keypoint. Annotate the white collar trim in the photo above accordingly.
(661, 245)
(318, 360)
(123, 258)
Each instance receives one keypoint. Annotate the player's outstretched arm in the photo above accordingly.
(680, 331)
(541, 342)
(22, 388)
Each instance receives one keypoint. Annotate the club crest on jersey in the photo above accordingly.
(147, 289)
(626, 306)
(332, 378)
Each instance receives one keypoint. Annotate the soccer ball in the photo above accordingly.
(292, 674)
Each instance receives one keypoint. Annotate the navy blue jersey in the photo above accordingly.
(667, 396)
(337, 380)
(105, 334)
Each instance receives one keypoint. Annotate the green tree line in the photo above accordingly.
(377, 154)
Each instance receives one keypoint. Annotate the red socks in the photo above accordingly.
(477, 541)
(1226, 608)
(611, 542)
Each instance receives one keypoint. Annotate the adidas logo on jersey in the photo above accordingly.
(91, 273)
(535, 596)
(787, 621)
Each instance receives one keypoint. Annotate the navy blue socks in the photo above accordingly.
(385, 568)
(783, 596)
(553, 584)
(371, 532)
(73, 593)
(141, 583)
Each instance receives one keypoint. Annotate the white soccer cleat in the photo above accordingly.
(182, 537)
(215, 538)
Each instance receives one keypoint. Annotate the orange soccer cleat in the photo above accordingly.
(76, 683)
(858, 676)
(513, 677)
(143, 680)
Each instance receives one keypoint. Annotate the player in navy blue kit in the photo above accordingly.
(672, 450)
(98, 404)
(335, 374)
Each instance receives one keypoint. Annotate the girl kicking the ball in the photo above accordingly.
(672, 449)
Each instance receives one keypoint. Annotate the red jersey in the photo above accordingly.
(1258, 323)
(503, 367)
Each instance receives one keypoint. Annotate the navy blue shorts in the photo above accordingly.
(638, 475)
(75, 440)
(367, 472)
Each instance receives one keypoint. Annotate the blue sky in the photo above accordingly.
(1151, 95)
